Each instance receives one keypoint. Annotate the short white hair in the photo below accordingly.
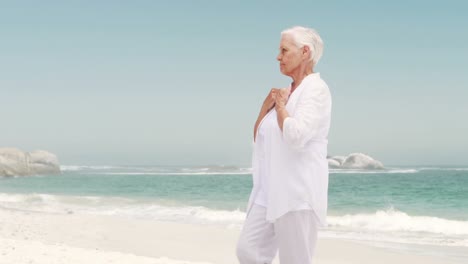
(303, 36)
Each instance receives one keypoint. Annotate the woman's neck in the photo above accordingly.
(302, 72)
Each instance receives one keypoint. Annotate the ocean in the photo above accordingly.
(396, 206)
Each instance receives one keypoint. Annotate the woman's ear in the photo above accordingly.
(306, 52)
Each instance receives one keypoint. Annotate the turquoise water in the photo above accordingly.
(405, 205)
(431, 192)
(226, 192)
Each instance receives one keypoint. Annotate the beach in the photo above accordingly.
(41, 237)
(173, 215)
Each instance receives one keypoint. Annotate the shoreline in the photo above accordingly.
(71, 238)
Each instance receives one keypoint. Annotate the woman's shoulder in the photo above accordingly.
(316, 86)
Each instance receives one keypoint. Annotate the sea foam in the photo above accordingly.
(396, 226)
(392, 220)
(384, 225)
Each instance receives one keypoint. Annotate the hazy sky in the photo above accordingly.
(152, 83)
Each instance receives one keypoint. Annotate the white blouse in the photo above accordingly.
(266, 127)
(289, 167)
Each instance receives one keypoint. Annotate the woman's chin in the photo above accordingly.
(285, 72)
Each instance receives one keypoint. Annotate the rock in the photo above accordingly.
(334, 164)
(14, 162)
(339, 159)
(43, 162)
(355, 161)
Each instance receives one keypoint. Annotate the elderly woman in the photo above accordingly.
(288, 202)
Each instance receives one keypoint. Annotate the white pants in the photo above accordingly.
(294, 235)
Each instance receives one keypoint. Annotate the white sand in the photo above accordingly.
(27, 237)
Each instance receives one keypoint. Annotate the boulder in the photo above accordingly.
(333, 164)
(14, 162)
(355, 161)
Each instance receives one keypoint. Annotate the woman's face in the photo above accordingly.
(290, 56)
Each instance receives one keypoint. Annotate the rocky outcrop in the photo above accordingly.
(354, 161)
(14, 162)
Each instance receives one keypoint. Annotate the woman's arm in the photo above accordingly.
(310, 117)
(280, 106)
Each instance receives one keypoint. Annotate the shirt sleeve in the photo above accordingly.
(311, 117)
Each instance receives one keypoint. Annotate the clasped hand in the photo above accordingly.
(278, 97)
